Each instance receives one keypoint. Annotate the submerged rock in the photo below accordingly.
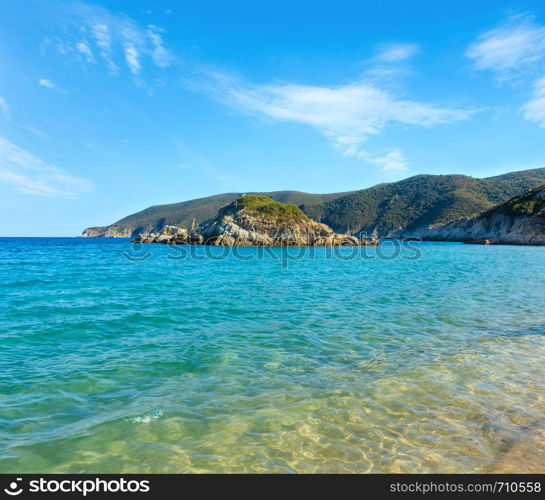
(257, 221)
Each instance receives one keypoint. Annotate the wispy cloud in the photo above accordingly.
(44, 82)
(132, 58)
(29, 174)
(534, 110)
(396, 52)
(38, 132)
(161, 56)
(6, 113)
(4, 108)
(346, 114)
(394, 161)
(514, 45)
(83, 48)
(103, 40)
(117, 39)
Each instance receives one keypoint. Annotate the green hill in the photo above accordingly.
(530, 203)
(420, 201)
(268, 209)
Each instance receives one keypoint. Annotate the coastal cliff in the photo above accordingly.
(256, 221)
(519, 221)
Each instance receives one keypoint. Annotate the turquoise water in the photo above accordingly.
(116, 362)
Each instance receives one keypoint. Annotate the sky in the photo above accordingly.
(109, 107)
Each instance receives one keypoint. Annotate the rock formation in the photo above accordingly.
(169, 234)
(256, 221)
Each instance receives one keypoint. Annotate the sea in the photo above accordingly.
(408, 357)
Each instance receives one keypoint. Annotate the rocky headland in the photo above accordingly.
(518, 221)
(253, 220)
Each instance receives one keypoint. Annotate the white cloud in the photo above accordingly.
(4, 108)
(160, 54)
(346, 114)
(44, 82)
(29, 174)
(394, 161)
(117, 39)
(103, 40)
(131, 56)
(534, 110)
(518, 43)
(396, 52)
(84, 48)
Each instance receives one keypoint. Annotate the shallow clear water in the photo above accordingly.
(116, 364)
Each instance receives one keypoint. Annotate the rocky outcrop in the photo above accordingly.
(169, 234)
(257, 221)
(519, 221)
(107, 232)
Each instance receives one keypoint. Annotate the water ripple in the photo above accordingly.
(209, 365)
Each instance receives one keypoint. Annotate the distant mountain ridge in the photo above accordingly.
(399, 208)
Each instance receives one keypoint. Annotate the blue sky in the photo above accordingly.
(109, 107)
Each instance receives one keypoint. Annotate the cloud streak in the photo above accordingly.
(396, 52)
(28, 174)
(4, 108)
(83, 48)
(103, 40)
(132, 58)
(516, 44)
(161, 56)
(534, 110)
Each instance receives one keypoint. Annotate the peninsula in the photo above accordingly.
(253, 220)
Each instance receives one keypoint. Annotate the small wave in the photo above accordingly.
(148, 417)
